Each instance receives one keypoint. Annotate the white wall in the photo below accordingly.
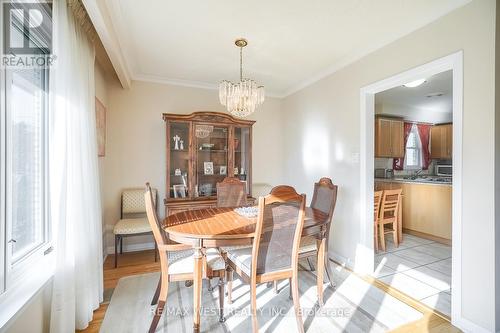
(135, 147)
(322, 136)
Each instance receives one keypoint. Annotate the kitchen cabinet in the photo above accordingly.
(441, 141)
(426, 208)
(389, 138)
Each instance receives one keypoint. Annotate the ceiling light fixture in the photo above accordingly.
(242, 98)
(414, 84)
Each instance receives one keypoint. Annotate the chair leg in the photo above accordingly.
(210, 287)
(329, 273)
(296, 303)
(160, 306)
(121, 245)
(253, 299)
(395, 233)
(117, 239)
(382, 237)
(375, 237)
(290, 288)
(156, 252)
(221, 298)
(157, 293)
(275, 286)
(229, 282)
(311, 267)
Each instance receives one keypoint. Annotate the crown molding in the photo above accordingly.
(186, 83)
(109, 41)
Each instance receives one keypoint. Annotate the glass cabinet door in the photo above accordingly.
(242, 154)
(179, 160)
(211, 150)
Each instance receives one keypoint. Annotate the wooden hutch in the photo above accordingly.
(202, 149)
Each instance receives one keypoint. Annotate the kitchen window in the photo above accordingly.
(413, 156)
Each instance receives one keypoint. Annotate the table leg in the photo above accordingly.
(321, 244)
(197, 280)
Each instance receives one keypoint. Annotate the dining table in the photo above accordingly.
(219, 227)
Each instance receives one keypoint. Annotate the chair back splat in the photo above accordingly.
(279, 224)
(231, 192)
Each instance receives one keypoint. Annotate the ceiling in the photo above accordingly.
(291, 44)
(416, 97)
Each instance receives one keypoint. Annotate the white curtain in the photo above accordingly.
(74, 177)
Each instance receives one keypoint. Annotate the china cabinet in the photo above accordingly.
(202, 149)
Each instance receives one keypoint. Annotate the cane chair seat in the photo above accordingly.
(182, 262)
(307, 244)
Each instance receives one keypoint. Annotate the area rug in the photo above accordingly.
(354, 306)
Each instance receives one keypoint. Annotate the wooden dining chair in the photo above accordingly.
(377, 199)
(177, 263)
(324, 199)
(231, 192)
(274, 254)
(391, 199)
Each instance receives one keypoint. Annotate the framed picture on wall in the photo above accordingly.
(100, 120)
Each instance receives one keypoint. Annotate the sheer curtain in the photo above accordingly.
(74, 182)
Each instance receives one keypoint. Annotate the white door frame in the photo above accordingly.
(452, 62)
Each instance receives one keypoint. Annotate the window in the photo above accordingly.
(413, 156)
(24, 155)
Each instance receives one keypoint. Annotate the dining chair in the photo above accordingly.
(231, 192)
(274, 253)
(324, 199)
(177, 263)
(377, 199)
(391, 199)
(133, 220)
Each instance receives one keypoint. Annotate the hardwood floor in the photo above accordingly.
(143, 262)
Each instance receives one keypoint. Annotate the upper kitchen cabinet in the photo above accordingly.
(389, 138)
(441, 141)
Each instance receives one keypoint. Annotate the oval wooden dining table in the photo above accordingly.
(215, 227)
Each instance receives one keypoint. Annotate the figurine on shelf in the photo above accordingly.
(235, 171)
(181, 143)
(176, 140)
(177, 172)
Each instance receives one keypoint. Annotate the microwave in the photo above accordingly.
(445, 170)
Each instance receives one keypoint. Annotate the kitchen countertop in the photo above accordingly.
(427, 180)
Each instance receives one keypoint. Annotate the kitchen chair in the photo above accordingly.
(274, 254)
(324, 199)
(377, 199)
(391, 199)
(177, 263)
(133, 220)
(231, 192)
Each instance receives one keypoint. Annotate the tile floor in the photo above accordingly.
(420, 268)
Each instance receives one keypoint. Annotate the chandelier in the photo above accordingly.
(242, 98)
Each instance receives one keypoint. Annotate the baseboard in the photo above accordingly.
(133, 247)
(341, 260)
(427, 236)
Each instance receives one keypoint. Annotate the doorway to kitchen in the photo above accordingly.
(413, 168)
(411, 178)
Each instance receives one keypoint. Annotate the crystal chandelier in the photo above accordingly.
(242, 98)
